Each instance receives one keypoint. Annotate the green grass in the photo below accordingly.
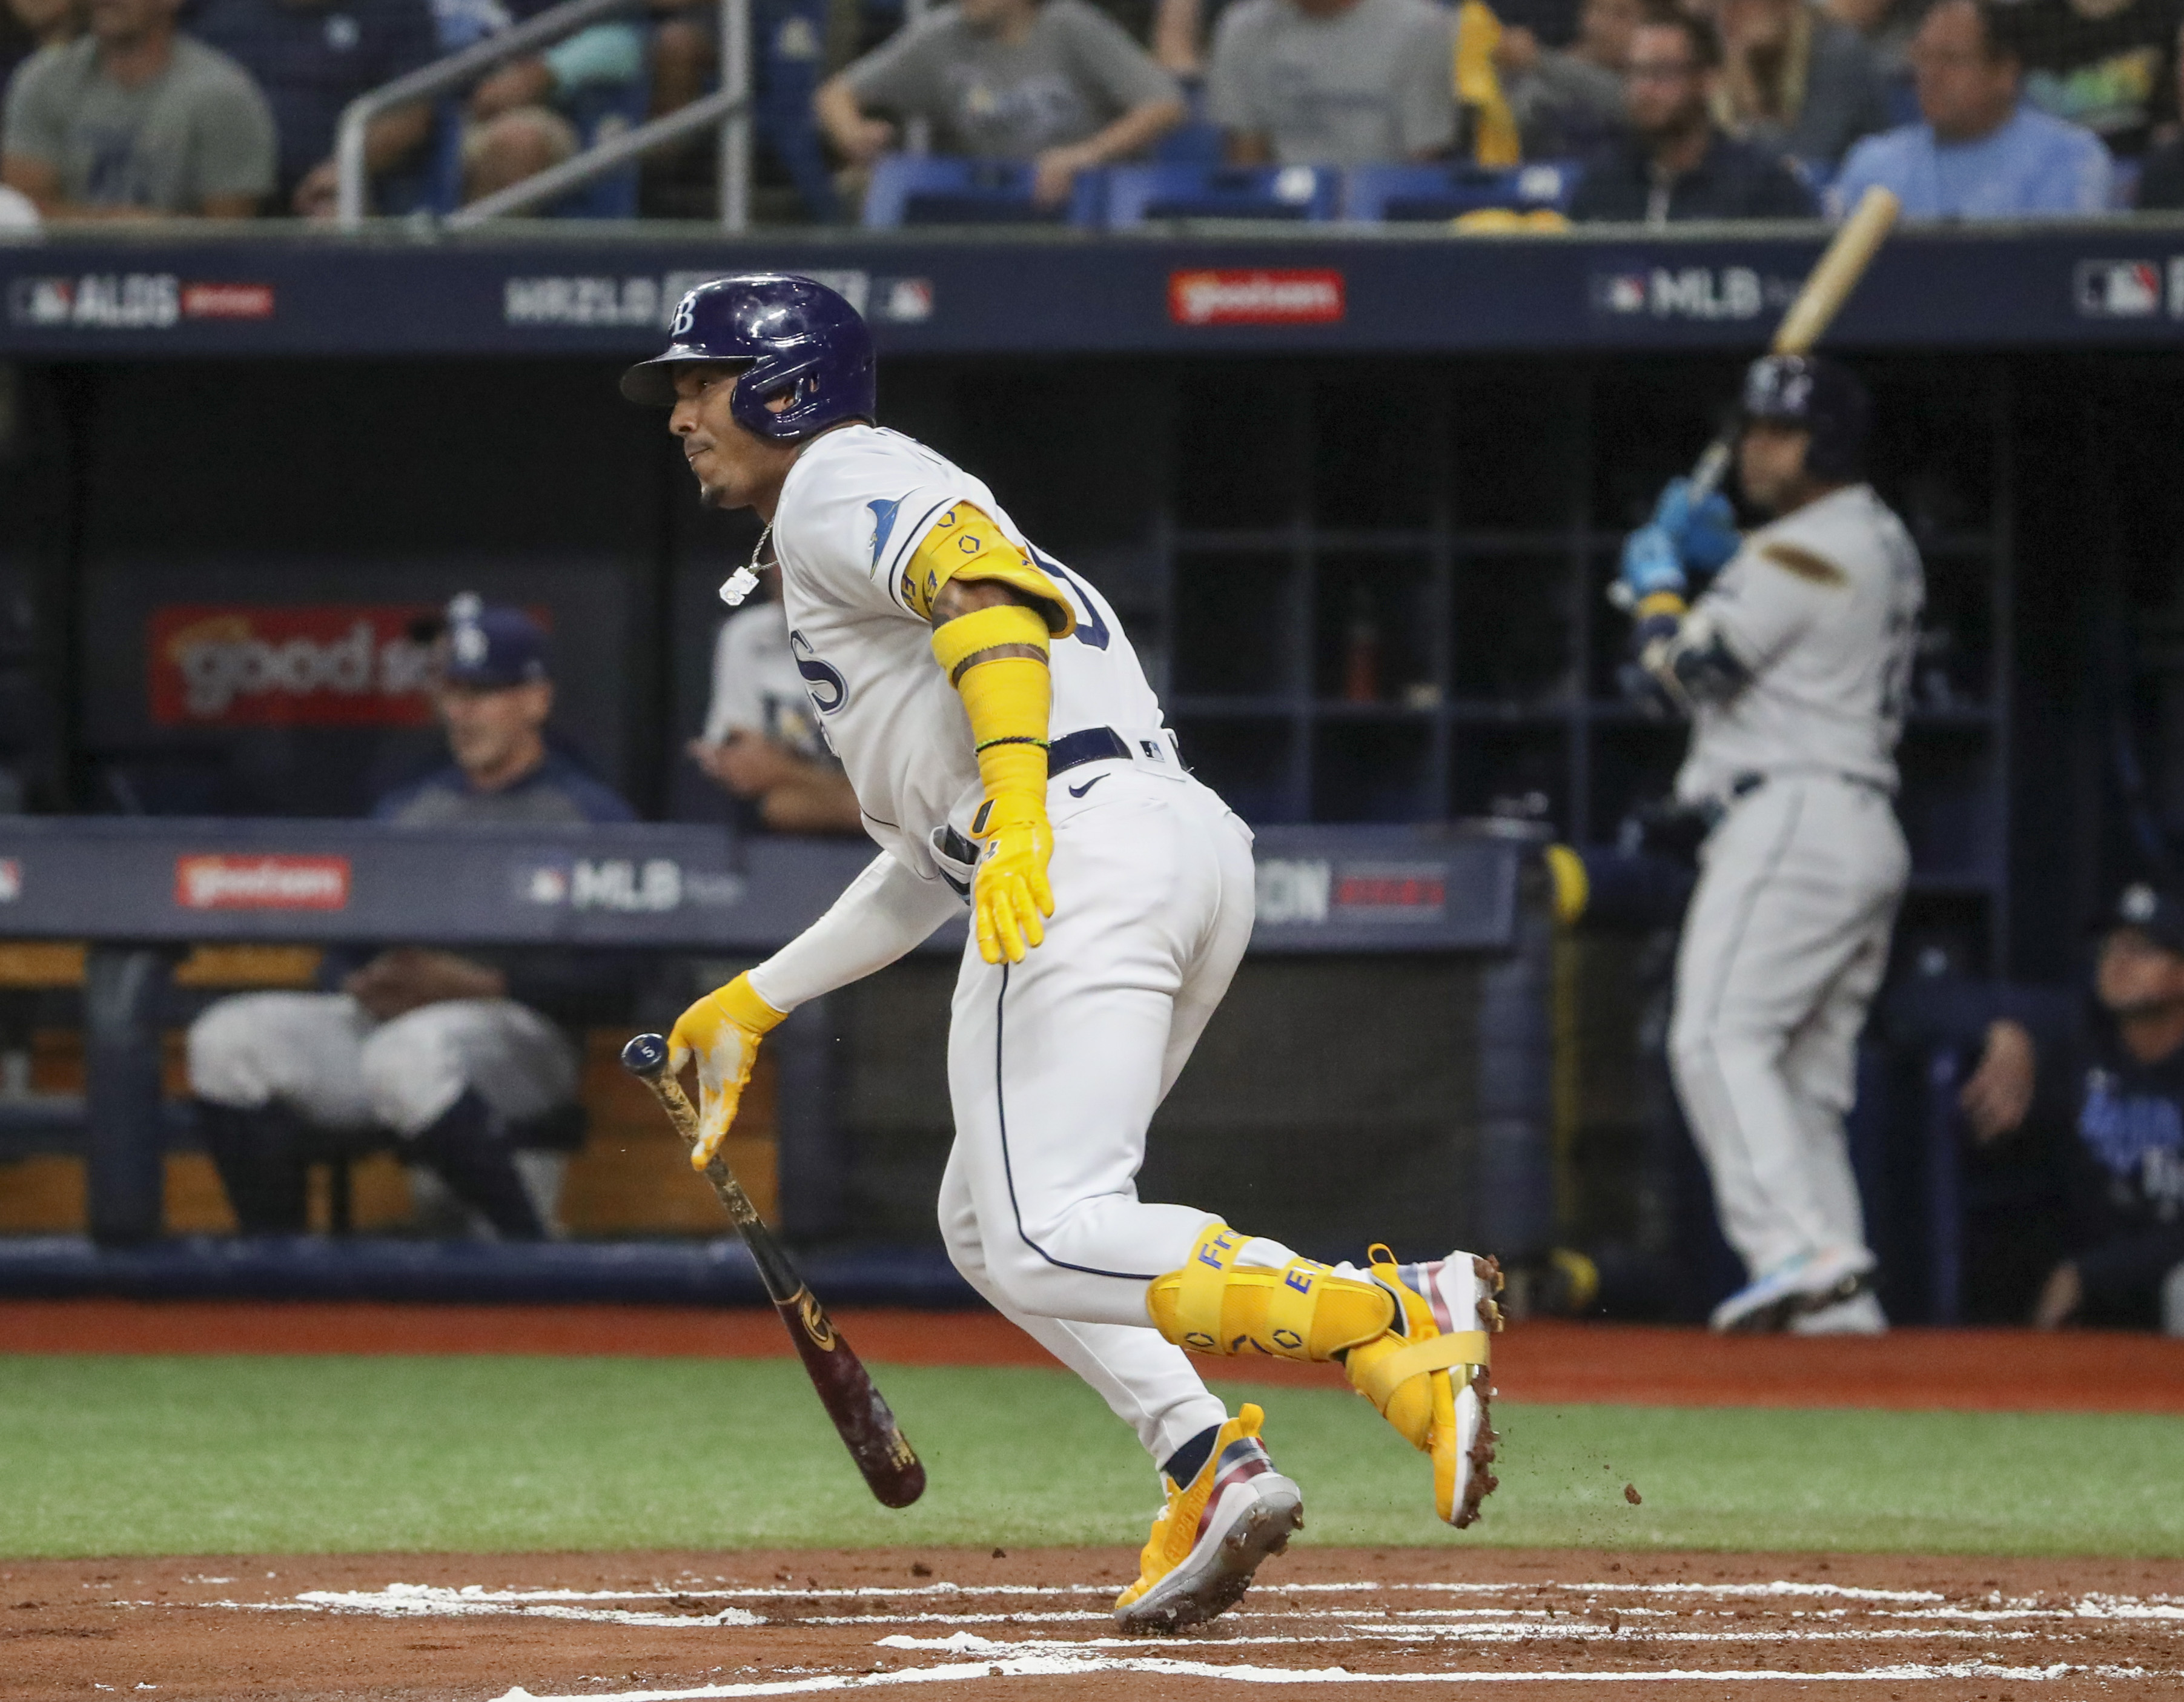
(211, 1455)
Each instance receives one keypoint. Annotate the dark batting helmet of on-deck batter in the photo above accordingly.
(799, 337)
(1821, 397)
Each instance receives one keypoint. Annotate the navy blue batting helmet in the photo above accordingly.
(1821, 397)
(799, 337)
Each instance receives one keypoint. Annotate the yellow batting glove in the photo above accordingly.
(1010, 891)
(721, 1032)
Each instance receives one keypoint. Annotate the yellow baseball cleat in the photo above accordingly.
(1427, 1374)
(1210, 1537)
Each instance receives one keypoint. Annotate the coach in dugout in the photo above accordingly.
(459, 1060)
(2112, 1070)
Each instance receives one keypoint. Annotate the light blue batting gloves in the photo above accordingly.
(1705, 536)
(1650, 564)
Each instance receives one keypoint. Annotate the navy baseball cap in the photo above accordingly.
(2159, 915)
(491, 646)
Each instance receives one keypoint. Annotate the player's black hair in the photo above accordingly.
(1703, 39)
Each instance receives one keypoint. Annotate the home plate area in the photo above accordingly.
(1423, 1622)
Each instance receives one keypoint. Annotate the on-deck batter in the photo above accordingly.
(1005, 748)
(1794, 665)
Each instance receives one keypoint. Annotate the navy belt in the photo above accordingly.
(1072, 750)
(1091, 745)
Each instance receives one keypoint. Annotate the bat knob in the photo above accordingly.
(646, 1055)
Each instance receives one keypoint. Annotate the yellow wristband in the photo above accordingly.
(1660, 603)
(747, 1009)
(984, 629)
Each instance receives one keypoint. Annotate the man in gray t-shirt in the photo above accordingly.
(1053, 81)
(136, 121)
(1333, 82)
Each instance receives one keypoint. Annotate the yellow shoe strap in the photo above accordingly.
(1205, 1280)
(1378, 1382)
(1292, 1302)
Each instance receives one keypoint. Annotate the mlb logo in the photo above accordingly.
(543, 884)
(11, 880)
(907, 301)
(2119, 290)
(43, 301)
(1622, 293)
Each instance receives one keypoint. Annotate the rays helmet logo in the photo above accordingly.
(686, 315)
(1779, 388)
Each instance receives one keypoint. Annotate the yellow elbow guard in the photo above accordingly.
(964, 543)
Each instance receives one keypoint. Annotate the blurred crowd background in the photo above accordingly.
(1024, 109)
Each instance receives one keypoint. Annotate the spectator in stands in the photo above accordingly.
(1333, 82)
(456, 1059)
(136, 121)
(1678, 163)
(1796, 82)
(519, 122)
(1179, 35)
(312, 57)
(1884, 26)
(1569, 101)
(1054, 82)
(1981, 152)
(762, 739)
(2109, 65)
(2161, 184)
(26, 25)
(2115, 1075)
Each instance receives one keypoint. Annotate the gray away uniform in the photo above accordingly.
(1798, 658)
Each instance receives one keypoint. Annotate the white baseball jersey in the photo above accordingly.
(853, 510)
(1821, 611)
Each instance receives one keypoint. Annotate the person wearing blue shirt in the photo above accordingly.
(461, 1061)
(1983, 152)
(313, 58)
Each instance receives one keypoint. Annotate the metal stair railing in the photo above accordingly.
(728, 106)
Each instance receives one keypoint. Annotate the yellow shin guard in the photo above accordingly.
(1302, 1311)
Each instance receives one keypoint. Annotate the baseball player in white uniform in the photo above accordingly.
(1006, 748)
(1794, 664)
(761, 738)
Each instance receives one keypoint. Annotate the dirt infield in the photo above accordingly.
(1435, 1623)
(2001, 1371)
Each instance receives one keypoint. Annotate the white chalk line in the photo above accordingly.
(405, 1600)
(1056, 1664)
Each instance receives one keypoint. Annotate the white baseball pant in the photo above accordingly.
(1055, 1066)
(324, 1058)
(1784, 946)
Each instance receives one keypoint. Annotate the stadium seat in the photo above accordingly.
(1408, 193)
(1195, 143)
(1138, 193)
(939, 189)
(790, 64)
(600, 114)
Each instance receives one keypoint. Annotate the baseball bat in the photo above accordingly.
(867, 1428)
(1828, 286)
